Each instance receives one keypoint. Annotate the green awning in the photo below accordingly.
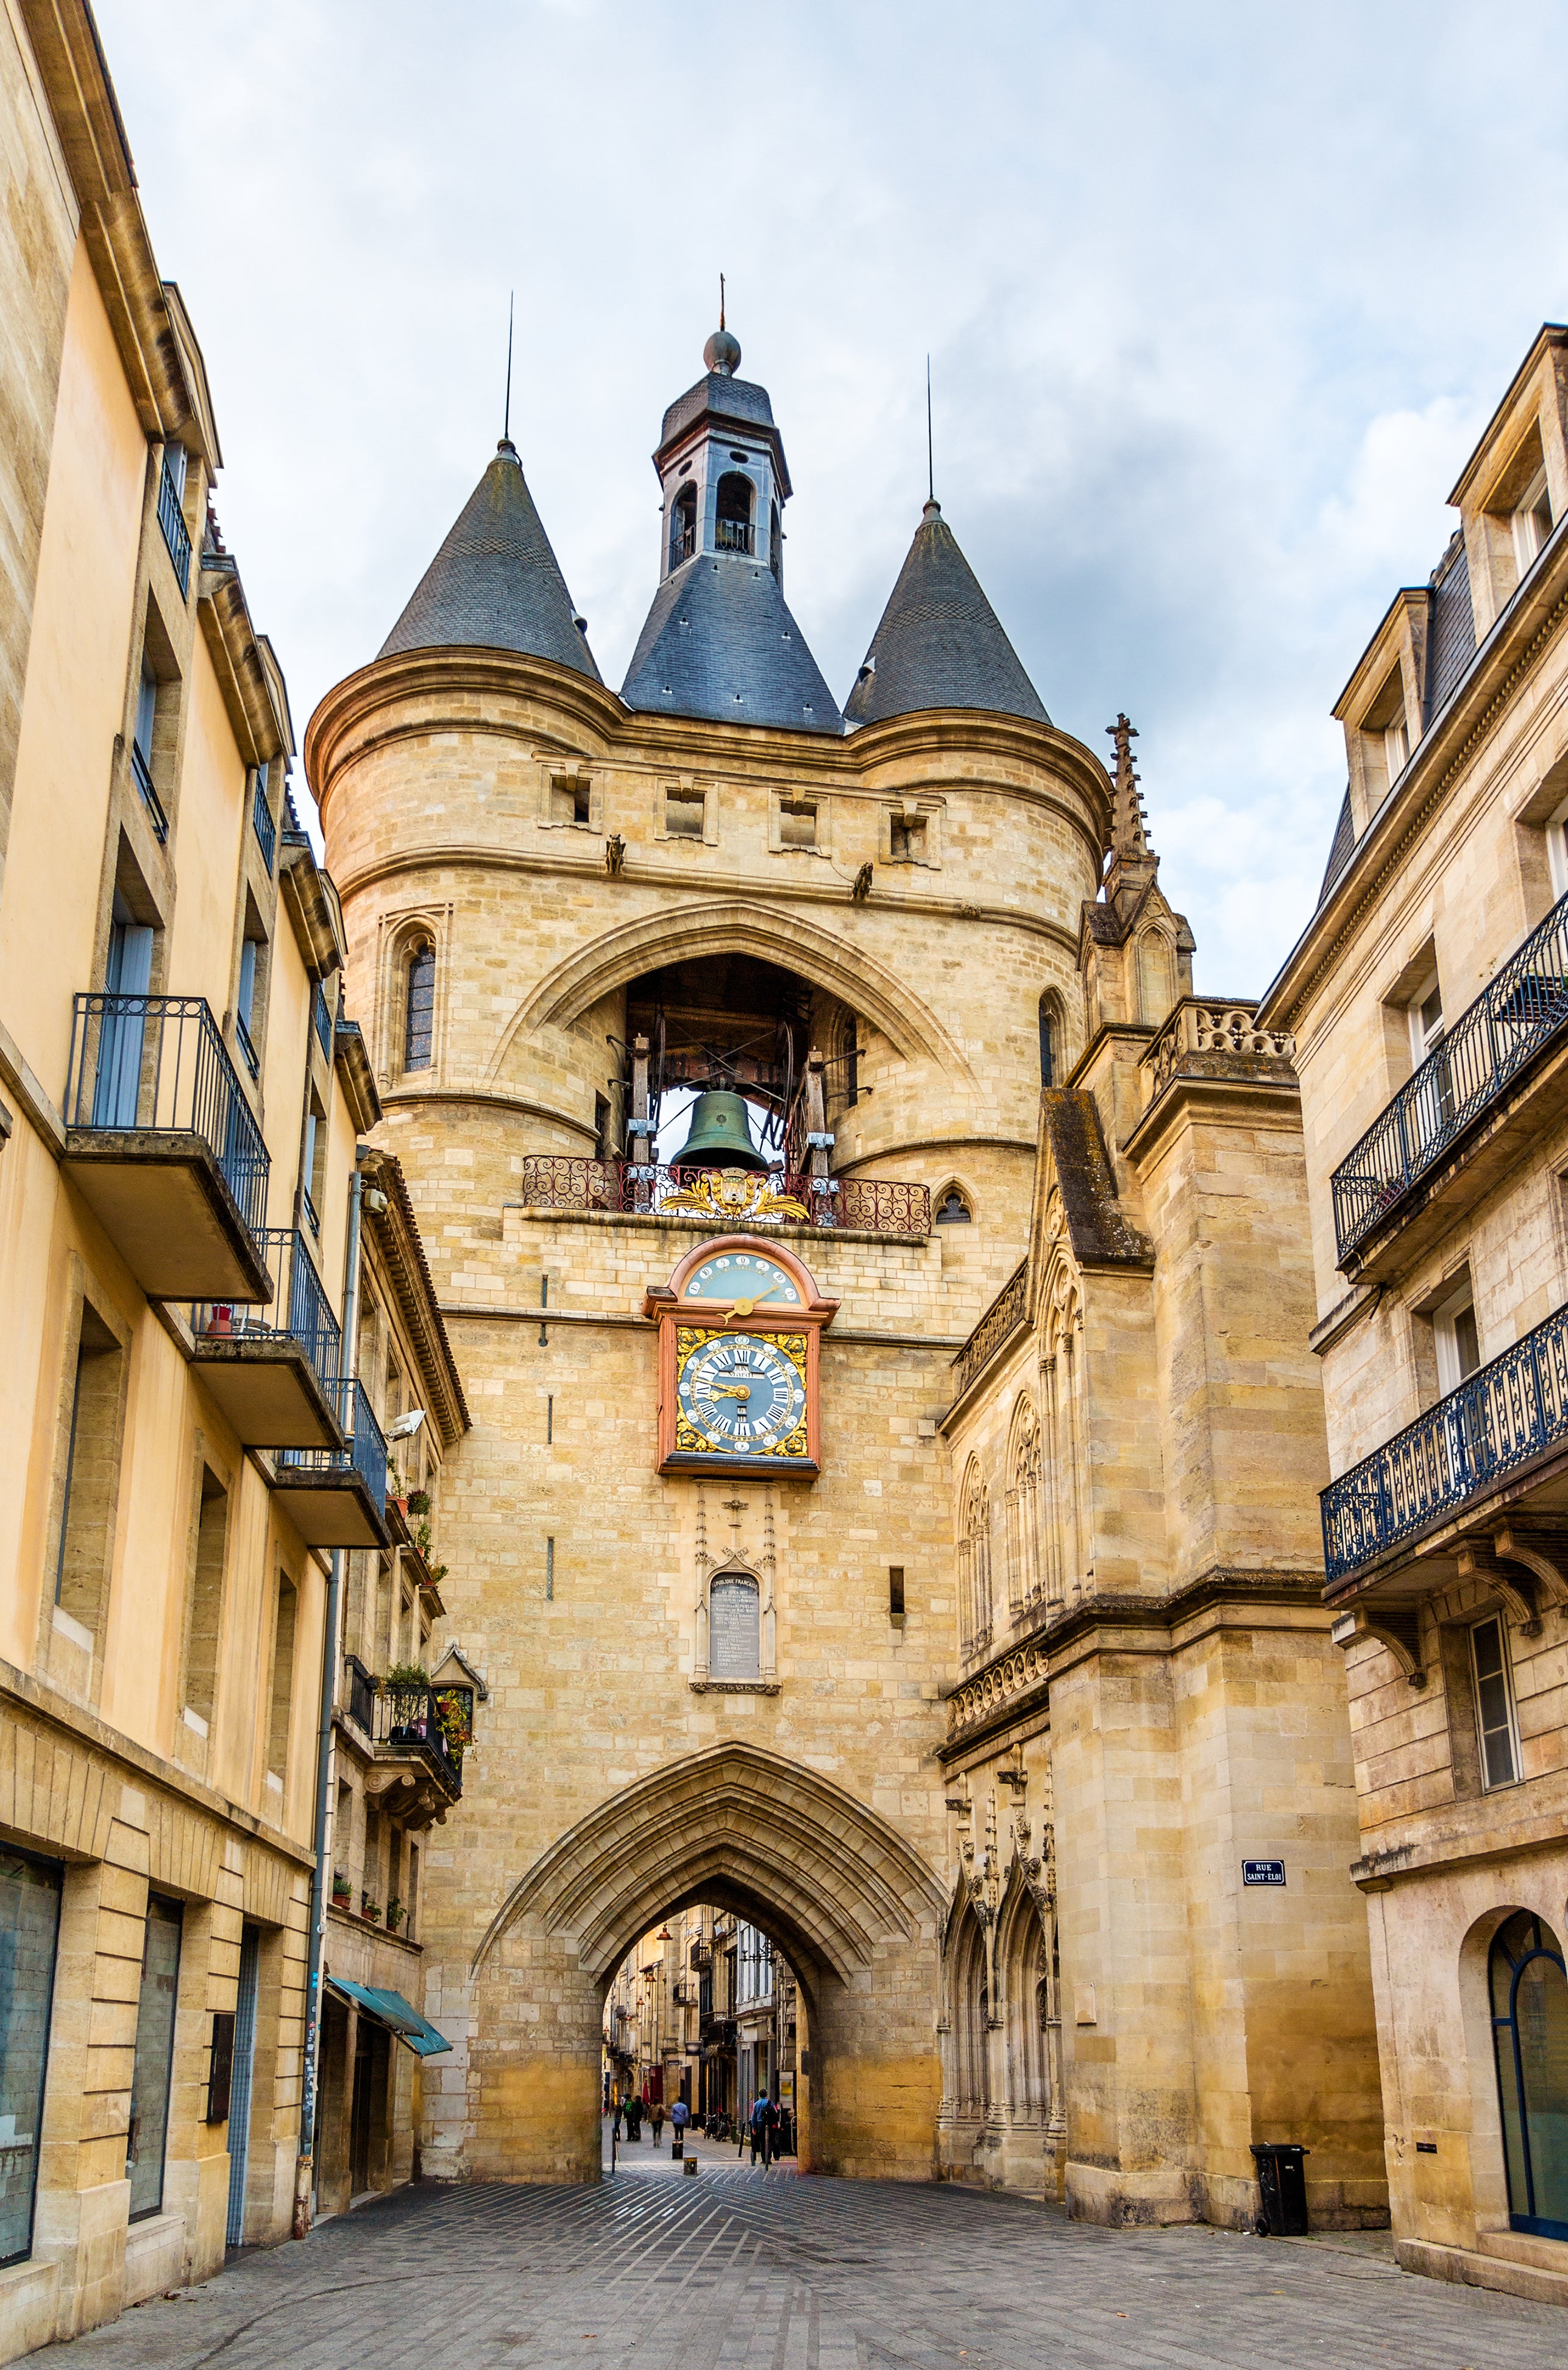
(393, 2010)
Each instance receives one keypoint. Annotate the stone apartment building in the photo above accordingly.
(183, 1095)
(1428, 997)
(888, 1513)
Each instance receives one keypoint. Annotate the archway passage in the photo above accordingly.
(855, 1910)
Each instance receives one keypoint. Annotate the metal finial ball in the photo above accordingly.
(722, 354)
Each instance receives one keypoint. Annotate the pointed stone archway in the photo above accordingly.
(858, 1915)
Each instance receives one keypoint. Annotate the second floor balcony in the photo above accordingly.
(162, 1144)
(272, 1367)
(1455, 1124)
(1487, 1459)
(421, 1734)
(336, 1497)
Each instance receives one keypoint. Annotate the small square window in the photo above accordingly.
(797, 823)
(908, 839)
(571, 799)
(1494, 1704)
(686, 812)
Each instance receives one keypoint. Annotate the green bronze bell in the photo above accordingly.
(719, 1135)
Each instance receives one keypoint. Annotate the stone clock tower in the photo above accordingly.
(707, 1543)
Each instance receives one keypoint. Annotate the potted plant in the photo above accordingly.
(341, 1888)
(370, 1910)
(419, 1502)
(395, 1914)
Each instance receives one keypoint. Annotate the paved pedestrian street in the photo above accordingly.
(741, 2270)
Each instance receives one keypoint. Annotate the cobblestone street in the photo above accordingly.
(739, 2269)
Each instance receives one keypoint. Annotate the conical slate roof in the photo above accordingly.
(495, 582)
(719, 643)
(940, 644)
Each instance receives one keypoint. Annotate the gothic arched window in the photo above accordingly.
(975, 1567)
(683, 526)
(952, 1210)
(418, 1011)
(1529, 2031)
(1023, 1507)
(733, 520)
(1047, 1041)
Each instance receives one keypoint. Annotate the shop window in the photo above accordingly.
(29, 1930)
(1529, 2031)
(419, 1008)
(240, 2079)
(148, 2136)
(1494, 1704)
(734, 1626)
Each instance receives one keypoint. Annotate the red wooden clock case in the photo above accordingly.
(669, 1303)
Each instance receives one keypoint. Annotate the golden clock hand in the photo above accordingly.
(730, 1390)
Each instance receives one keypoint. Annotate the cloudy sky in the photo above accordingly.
(1217, 298)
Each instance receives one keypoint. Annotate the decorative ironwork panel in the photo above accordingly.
(157, 1065)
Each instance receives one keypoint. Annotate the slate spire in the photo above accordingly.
(495, 583)
(939, 644)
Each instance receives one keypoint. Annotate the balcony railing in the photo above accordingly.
(1521, 1009)
(366, 1451)
(171, 518)
(141, 772)
(1501, 1416)
(361, 1705)
(998, 1324)
(310, 1211)
(261, 819)
(732, 535)
(682, 545)
(298, 1308)
(875, 1204)
(157, 1065)
(323, 1020)
(409, 1719)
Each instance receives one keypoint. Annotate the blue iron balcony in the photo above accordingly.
(1455, 1102)
(337, 1497)
(164, 1148)
(1481, 1449)
(171, 518)
(272, 1370)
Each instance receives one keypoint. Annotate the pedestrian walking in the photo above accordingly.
(759, 2127)
(616, 2125)
(680, 2116)
(658, 2122)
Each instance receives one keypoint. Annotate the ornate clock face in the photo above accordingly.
(744, 1278)
(740, 1394)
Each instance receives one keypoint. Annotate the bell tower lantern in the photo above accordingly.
(722, 468)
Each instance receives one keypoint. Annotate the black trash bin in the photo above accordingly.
(1282, 2178)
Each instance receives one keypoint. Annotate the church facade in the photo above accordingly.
(894, 1524)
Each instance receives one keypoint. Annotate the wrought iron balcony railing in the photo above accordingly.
(366, 1451)
(1520, 1011)
(261, 819)
(998, 1324)
(298, 1309)
(157, 1065)
(171, 518)
(1500, 1417)
(360, 1704)
(876, 1204)
(412, 1719)
(142, 774)
(244, 1040)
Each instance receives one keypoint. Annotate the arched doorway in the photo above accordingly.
(856, 1913)
(1529, 2031)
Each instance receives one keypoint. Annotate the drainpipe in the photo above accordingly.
(305, 2163)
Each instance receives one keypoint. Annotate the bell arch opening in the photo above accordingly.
(740, 1832)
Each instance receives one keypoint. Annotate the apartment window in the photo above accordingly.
(1531, 523)
(252, 968)
(1494, 1704)
(315, 1176)
(127, 973)
(1425, 1022)
(419, 1009)
(204, 1603)
(797, 823)
(29, 1930)
(1386, 737)
(1457, 1340)
(146, 2139)
(91, 1488)
(283, 1679)
(1557, 850)
(412, 1904)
